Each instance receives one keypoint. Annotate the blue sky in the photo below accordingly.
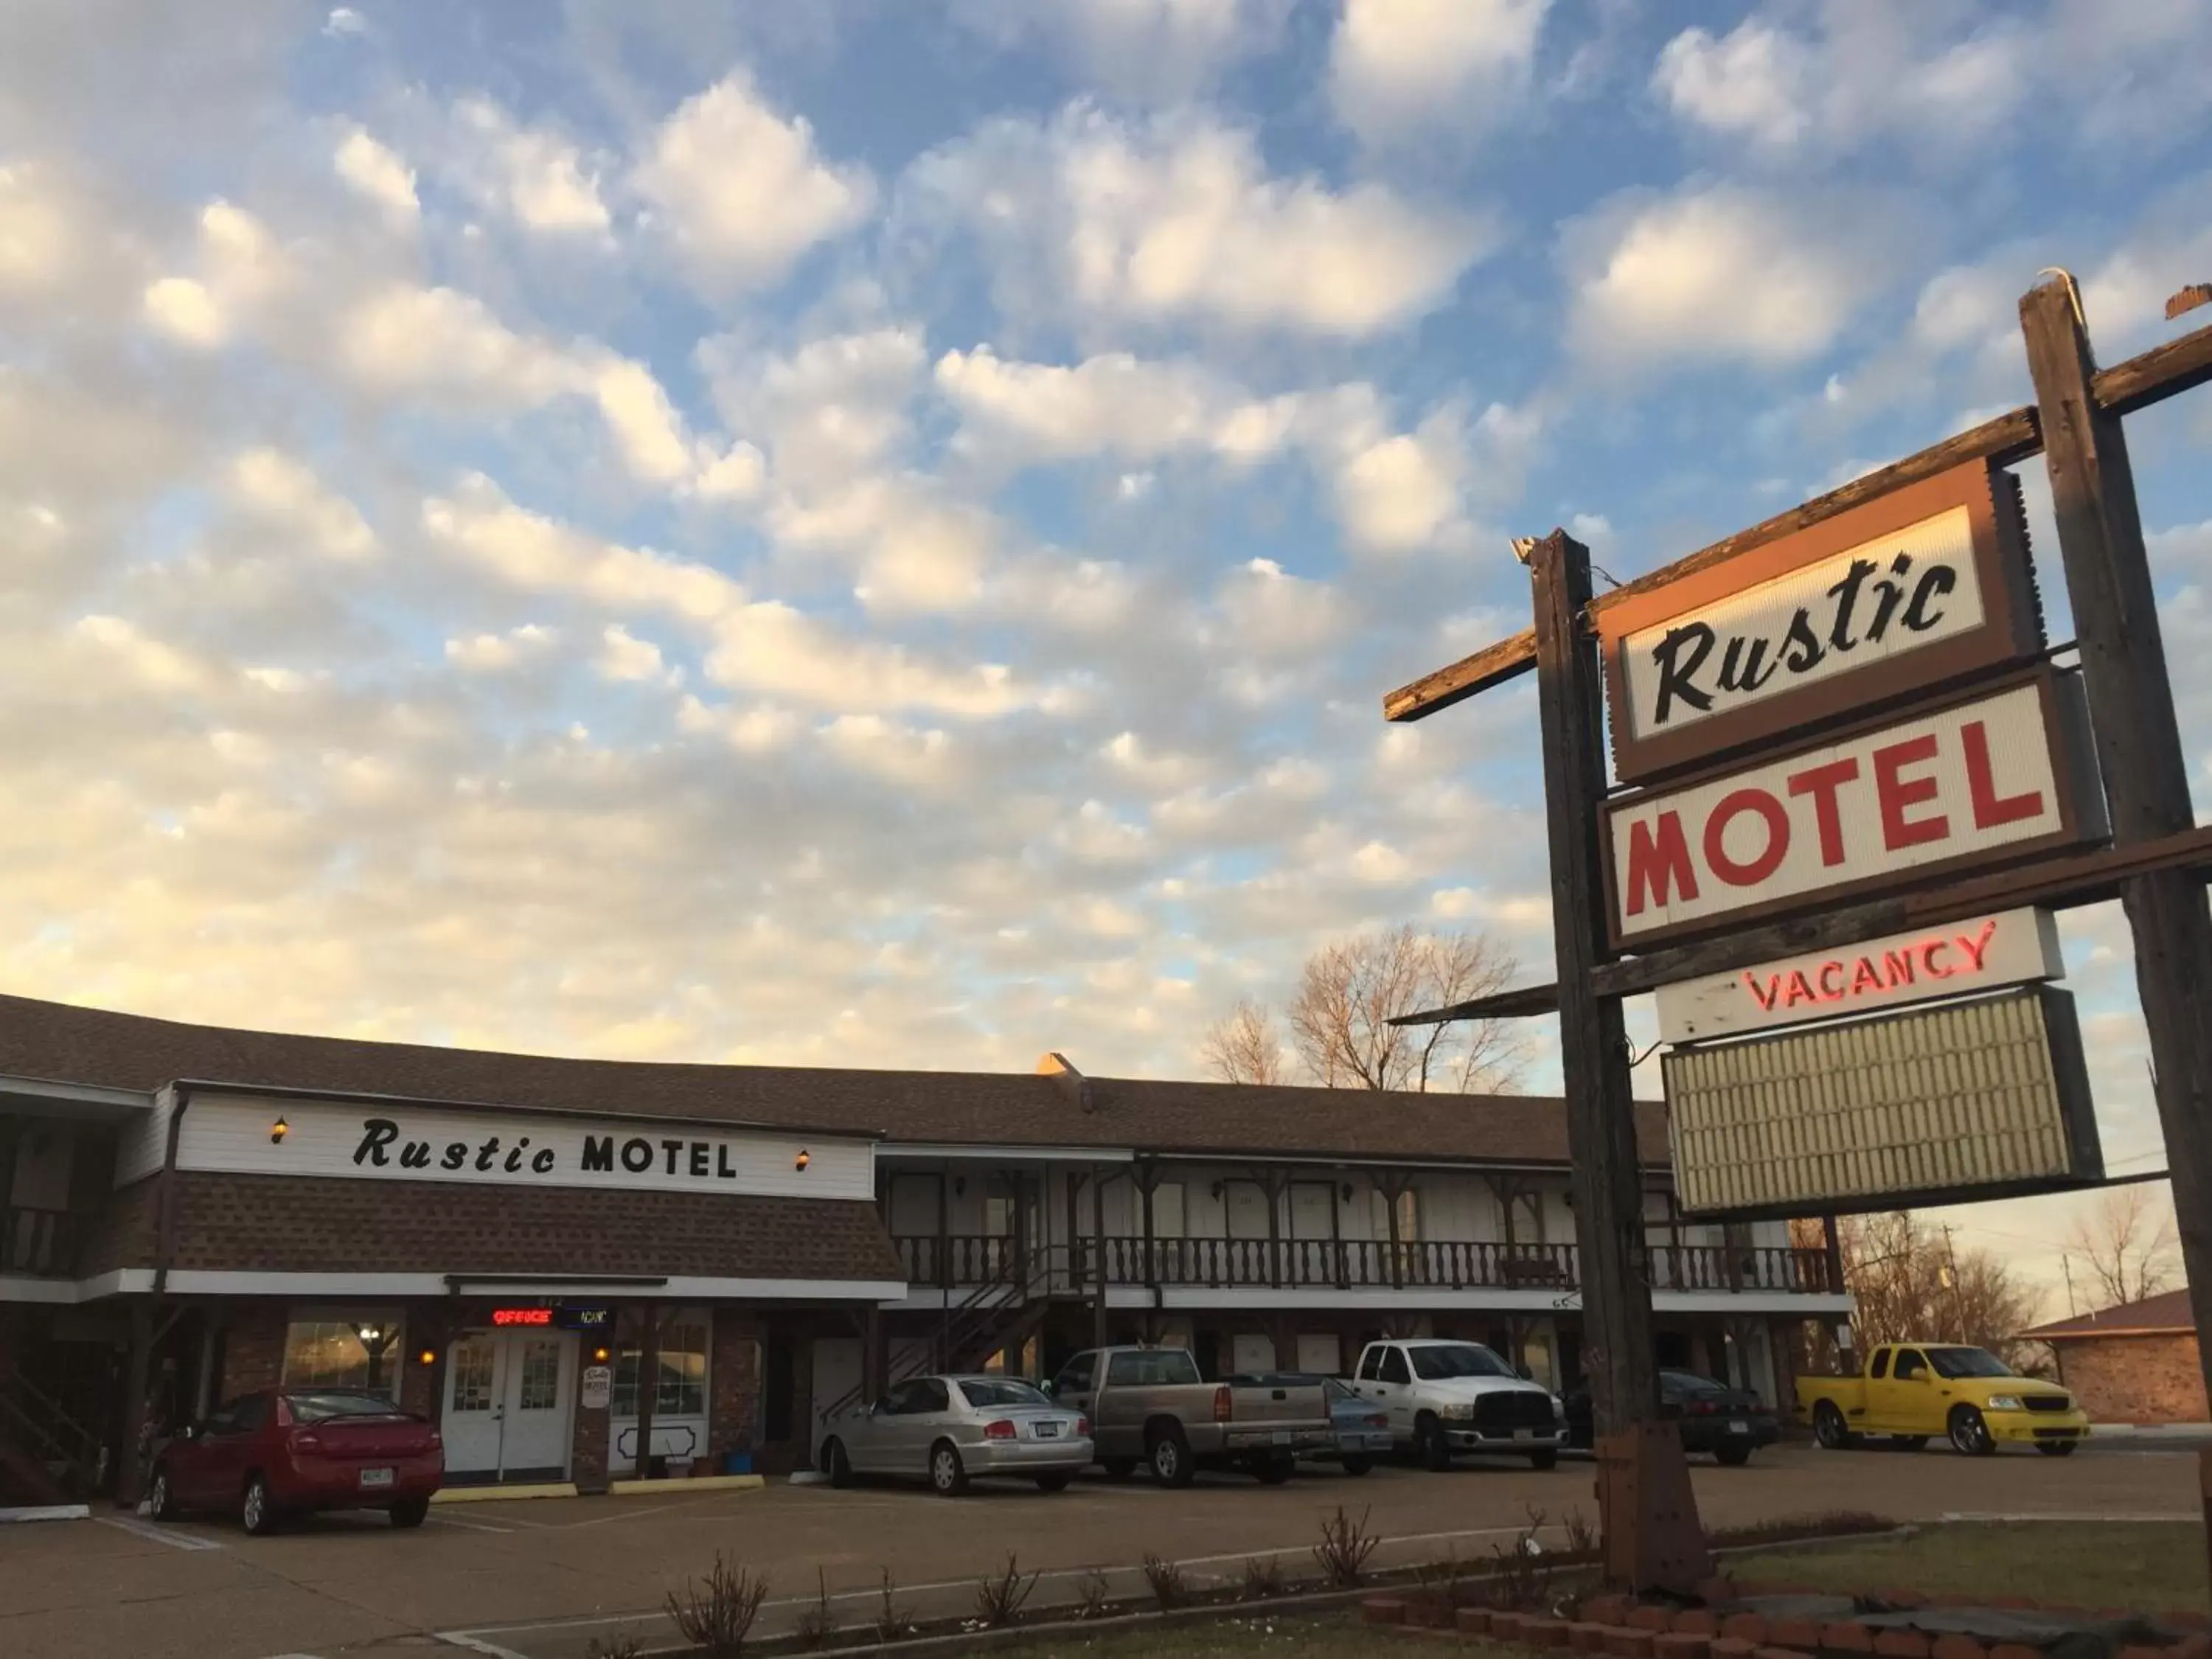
(875, 532)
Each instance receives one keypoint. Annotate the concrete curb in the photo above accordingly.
(45, 1512)
(695, 1483)
(496, 1494)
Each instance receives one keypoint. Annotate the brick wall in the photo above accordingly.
(2136, 1379)
(252, 1349)
(734, 1383)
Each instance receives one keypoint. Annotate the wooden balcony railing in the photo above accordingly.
(962, 1260)
(34, 1241)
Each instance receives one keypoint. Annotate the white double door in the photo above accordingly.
(510, 1401)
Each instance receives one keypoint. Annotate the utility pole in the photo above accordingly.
(1958, 1300)
(2066, 1267)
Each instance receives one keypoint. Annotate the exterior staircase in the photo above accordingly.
(47, 1457)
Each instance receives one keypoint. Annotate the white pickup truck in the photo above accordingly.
(1447, 1398)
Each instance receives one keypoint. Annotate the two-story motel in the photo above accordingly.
(507, 1241)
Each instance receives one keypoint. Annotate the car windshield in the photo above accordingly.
(321, 1406)
(1445, 1361)
(1337, 1388)
(1967, 1362)
(1688, 1382)
(1000, 1391)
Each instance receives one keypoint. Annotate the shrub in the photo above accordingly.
(717, 1613)
(1345, 1545)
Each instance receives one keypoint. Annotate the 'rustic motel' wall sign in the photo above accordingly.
(1982, 953)
(1991, 776)
(1916, 588)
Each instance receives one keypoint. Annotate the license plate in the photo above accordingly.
(1282, 1436)
(1739, 1428)
(376, 1477)
(1524, 1434)
(1047, 1431)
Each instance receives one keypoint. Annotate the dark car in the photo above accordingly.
(1729, 1423)
(284, 1451)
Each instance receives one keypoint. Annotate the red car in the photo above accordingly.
(284, 1450)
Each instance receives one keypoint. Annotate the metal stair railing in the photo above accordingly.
(39, 1426)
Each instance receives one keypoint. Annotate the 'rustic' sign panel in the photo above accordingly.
(1983, 953)
(1987, 777)
(1974, 1098)
(1922, 587)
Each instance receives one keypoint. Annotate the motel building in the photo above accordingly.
(586, 1271)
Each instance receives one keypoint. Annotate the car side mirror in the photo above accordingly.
(190, 1431)
(1047, 1389)
(881, 1408)
(1525, 1373)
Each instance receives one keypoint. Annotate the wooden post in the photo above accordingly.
(131, 1470)
(1099, 1257)
(2108, 584)
(648, 1386)
(1645, 1504)
(1391, 1185)
(1831, 1245)
(1273, 1182)
(1148, 1180)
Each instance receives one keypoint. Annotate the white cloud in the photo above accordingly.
(1400, 68)
(277, 488)
(241, 266)
(1167, 50)
(1718, 272)
(1756, 82)
(1175, 218)
(39, 243)
(404, 338)
(532, 174)
(624, 656)
(183, 310)
(378, 173)
(494, 654)
(742, 190)
(345, 20)
(1113, 405)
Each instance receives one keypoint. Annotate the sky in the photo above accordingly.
(875, 531)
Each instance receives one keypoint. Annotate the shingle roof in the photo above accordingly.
(2153, 1315)
(58, 1041)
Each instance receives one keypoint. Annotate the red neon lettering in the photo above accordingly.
(1979, 946)
(1897, 791)
(1749, 871)
(522, 1316)
(1898, 964)
(1822, 782)
(1981, 788)
(1800, 989)
(1864, 978)
(1837, 969)
(1928, 950)
(1658, 863)
(1764, 999)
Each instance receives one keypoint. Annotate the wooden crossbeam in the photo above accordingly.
(2151, 377)
(2061, 883)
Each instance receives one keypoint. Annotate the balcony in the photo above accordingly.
(966, 1261)
(33, 1240)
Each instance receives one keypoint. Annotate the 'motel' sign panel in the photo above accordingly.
(1981, 779)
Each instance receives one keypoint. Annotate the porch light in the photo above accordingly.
(600, 1356)
(804, 1158)
(371, 1335)
(277, 1131)
(428, 1357)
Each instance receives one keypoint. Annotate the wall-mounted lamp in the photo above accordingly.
(277, 1131)
(371, 1335)
(960, 1186)
(1216, 1189)
(1344, 1191)
(428, 1357)
(804, 1158)
(600, 1356)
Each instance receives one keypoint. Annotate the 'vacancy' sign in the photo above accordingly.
(1923, 585)
(1985, 953)
(1986, 778)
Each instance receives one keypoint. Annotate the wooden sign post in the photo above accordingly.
(1652, 1539)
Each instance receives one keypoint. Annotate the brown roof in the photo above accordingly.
(2156, 1316)
(60, 1042)
(305, 1225)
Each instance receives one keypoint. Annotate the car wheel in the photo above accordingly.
(1910, 1443)
(1430, 1443)
(1054, 1482)
(1970, 1434)
(835, 1464)
(1829, 1427)
(1357, 1465)
(1546, 1459)
(255, 1512)
(161, 1502)
(410, 1511)
(2056, 1447)
(948, 1476)
(1733, 1457)
(1271, 1471)
(1171, 1459)
(1118, 1468)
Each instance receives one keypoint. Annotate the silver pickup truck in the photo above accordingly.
(1150, 1405)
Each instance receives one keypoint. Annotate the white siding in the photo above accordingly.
(145, 1144)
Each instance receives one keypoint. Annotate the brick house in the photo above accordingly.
(514, 1244)
(2135, 1363)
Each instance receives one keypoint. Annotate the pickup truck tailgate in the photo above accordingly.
(1299, 1407)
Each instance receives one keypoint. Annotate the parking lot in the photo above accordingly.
(543, 1579)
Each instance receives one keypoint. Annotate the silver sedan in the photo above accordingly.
(949, 1430)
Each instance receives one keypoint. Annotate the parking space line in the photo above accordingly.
(463, 1639)
(169, 1535)
(465, 1526)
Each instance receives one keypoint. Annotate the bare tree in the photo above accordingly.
(2129, 1242)
(1245, 1046)
(1340, 1016)
(1912, 1284)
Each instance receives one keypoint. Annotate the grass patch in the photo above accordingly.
(1339, 1636)
(2152, 1566)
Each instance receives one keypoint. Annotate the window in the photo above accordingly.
(1370, 1365)
(1075, 1376)
(322, 1406)
(918, 1396)
(363, 1351)
(1148, 1368)
(1955, 1362)
(683, 1385)
(1879, 1369)
(471, 1370)
(223, 1419)
(541, 1376)
(1008, 1392)
(1442, 1361)
(248, 1414)
(1393, 1366)
(1909, 1364)
(1168, 1210)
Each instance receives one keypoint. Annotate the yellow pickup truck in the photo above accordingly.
(1912, 1391)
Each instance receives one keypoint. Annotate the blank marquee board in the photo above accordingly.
(1928, 1105)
